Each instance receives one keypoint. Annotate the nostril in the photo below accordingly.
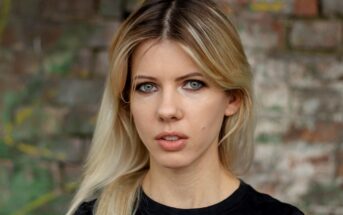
(169, 108)
(168, 117)
(170, 114)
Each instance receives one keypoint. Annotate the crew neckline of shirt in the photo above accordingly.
(227, 204)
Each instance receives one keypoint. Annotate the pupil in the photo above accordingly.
(194, 84)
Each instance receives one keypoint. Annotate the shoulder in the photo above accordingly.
(86, 208)
(262, 203)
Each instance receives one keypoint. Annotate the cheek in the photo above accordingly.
(212, 122)
(141, 116)
(209, 116)
(139, 109)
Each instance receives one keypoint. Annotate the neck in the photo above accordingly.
(201, 184)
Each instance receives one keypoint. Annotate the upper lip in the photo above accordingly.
(171, 133)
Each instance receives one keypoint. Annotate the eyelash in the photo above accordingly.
(186, 82)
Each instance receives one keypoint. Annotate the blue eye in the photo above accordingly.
(194, 84)
(146, 87)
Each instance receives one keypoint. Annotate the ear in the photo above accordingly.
(234, 100)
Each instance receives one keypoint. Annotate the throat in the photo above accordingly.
(196, 192)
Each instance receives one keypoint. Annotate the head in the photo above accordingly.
(202, 39)
(171, 96)
(211, 42)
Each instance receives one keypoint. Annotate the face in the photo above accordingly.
(177, 111)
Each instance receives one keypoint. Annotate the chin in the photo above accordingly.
(173, 162)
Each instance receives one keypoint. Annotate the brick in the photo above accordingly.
(131, 5)
(273, 98)
(313, 35)
(102, 35)
(268, 70)
(21, 31)
(332, 7)
(313, 105)
(325, 197)
(308, 71)
(83, 63)
(72, 92)
(71, 172)
(234, 2)
(316, 89)
(13, 38)
(10, 84)
(304, 164)
(64, 10)
(306, 8)
(9, 36)
(322, 132)
(272, 93)
(79, 122)
(272, 6)
(339, 167)
(330, 72)
(101, 64)
(9, 80)
(53, 119)
(233, 6)
(112, 8)
(271, 129)
(6, 166)
(70, 150)
(56, 173)
(50, 35)
(6, 61)
(301, 75)
(26, 62)
(319, 160)
(26, 9)
(226, 2)
(261, 31)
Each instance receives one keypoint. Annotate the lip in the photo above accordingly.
(172, 133)
(172, 146)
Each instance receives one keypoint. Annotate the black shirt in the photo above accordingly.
(244, 201)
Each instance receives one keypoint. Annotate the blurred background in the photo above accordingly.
(53, 63)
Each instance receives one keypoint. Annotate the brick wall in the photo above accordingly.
(53, 61)
(295, 48)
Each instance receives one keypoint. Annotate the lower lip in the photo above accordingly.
(176, 145)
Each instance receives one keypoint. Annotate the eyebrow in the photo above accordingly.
(177, 79)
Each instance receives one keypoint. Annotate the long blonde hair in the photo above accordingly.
(118, 160)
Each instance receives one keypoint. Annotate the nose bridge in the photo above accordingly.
(169, 105)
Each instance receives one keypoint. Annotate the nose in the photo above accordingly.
(169, 108)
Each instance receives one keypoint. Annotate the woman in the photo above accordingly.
(175, 127)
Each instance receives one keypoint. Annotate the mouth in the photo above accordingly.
(171, 141)
(171, 136)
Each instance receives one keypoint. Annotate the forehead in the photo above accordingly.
(161, 57)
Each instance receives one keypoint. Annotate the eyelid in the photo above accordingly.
(144, 82)
(138, 85)
(196, 80)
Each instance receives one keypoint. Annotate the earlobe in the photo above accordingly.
(233, 104)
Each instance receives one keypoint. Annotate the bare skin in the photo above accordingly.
(190, 188)
(192, 176)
